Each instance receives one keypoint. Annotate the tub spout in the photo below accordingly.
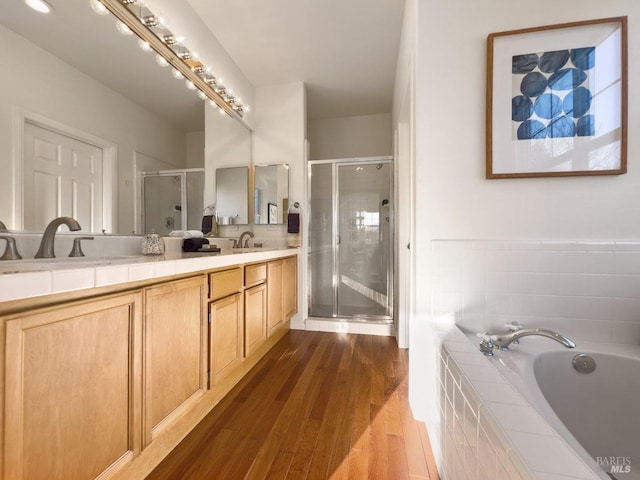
(503, 341)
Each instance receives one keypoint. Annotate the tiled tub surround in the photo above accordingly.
(588, 290)
(585, 290)
(489, 431)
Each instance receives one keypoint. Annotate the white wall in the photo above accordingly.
(349, 137)
(454, 200)
(42, 84)
(279, 137)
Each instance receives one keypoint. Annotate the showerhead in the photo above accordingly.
(378, 166)
(385, 202)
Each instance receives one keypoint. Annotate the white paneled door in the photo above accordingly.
(63, 176)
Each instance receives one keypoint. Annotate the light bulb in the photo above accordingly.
(190, 85)
(213, 104)
(177, 74)
(246, 108)
(99, 8)
(144, 45)
(202, 95)
(221, 111)
(160, 60)
(122, 28)
(39, 6)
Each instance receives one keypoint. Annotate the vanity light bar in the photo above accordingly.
(178, 56)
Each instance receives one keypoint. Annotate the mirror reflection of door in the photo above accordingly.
(62, 176)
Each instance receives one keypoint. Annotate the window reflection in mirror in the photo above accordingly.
(232, 195)
(271, 194)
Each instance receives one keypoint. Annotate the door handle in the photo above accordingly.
(337, 239)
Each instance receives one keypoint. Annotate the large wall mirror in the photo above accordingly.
(271, 194)
(232, 193)
(77, 94)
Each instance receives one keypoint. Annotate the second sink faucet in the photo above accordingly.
(246, 242)
(46, 249)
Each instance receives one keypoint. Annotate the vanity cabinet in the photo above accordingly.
(290, 286)
(255, 307)
(73, 396)
(175, 351)
(226, 323)
(282, 286)
(104, 383)
(275, 307)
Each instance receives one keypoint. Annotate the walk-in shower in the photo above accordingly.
(351, 239)
(172, 200)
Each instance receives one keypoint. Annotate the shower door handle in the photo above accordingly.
(337, 239)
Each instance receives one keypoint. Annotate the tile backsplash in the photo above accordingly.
(588, 290)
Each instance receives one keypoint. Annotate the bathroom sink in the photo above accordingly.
(44, 264)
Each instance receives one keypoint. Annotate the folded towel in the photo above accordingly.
(193, 234)
(176, 233)
(293, 223)
(193, 244)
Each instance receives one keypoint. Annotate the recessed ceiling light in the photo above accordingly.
(39, 6)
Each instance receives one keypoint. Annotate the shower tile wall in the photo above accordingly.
(586, 289)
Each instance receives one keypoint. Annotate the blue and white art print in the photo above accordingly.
(553, 94)
(556, 100)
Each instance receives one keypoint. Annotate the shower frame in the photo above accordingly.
(336, 316)
(184, 209)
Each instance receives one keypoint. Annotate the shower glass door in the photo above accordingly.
(350, 242)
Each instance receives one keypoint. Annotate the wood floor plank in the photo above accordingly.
(318, 406)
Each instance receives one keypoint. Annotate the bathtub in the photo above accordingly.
(596, 415)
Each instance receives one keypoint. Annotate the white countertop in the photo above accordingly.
(28, 278)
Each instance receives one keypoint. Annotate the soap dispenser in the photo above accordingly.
(152, 244)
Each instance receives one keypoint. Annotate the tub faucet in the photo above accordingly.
(48, 237)
(503, 341)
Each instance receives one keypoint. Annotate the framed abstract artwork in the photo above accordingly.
(557, 100)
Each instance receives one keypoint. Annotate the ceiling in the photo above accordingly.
(344, 51)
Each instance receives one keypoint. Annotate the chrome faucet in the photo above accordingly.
(3, 227)
(246, 242)
(46, 249)
(503, 341)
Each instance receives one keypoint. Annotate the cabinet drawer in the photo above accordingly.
(225, 283)
(255, 274)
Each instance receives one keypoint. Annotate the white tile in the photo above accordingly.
(111, 275)
(547, 454)
(23, 285)
(141, 271)
(76, 279)
(498, 282)
(499, 393)
(164, 269)
(470, 358)
(483, 374)
(627, 263)
(627, 246)
(521, 418)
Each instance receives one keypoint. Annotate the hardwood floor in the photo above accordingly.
(318, 405)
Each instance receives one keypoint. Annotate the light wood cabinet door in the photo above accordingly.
(226, 336)
(175, 347)
(275, 308)
(73, 390)
(255, 318)
(290, 286)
